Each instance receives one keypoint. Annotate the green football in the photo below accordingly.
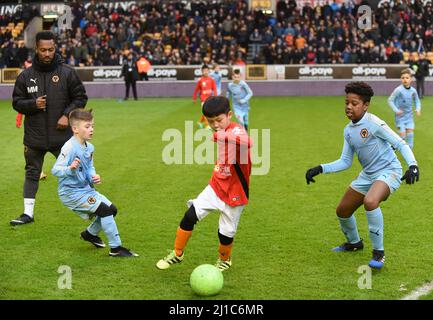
(206, 280)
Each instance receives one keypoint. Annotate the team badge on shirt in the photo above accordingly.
(237, 130)
(55, 78)
(364, 133)
(91, 200)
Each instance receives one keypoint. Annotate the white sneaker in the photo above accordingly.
(223, 265)
(170, 259)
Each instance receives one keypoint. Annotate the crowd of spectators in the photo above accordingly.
(228, 32)
(331, 34)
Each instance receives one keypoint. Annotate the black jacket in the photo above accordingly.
(423, 67)
(130, 75)
(64, 91)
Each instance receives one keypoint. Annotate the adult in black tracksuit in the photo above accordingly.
(45, 93)
(421, 73)
(130, 73)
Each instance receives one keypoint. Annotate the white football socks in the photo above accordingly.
(29, 206)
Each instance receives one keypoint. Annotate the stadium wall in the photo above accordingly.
(260, 88)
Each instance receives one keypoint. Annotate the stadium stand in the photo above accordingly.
(228, 32)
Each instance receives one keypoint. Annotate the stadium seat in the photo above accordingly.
(406, 56)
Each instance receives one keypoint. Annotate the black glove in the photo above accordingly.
(411, 174)
(313, 172)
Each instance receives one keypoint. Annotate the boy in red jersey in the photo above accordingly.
(207, 87)
(228, 189)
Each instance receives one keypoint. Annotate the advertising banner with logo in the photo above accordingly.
(354, 72)
(225, 71)
(161, 74)
(107, 74)
(272, 72)
(156, 73)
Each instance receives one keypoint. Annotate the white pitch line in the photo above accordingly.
(418, 292)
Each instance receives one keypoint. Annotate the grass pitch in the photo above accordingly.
(283, 246)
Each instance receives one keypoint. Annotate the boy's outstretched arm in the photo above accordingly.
(341, 164)
(386, 133)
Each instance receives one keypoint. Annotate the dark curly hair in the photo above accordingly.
(360, 88)
(45, 35)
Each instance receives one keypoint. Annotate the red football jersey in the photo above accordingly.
(233, 146)
(206, 85)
